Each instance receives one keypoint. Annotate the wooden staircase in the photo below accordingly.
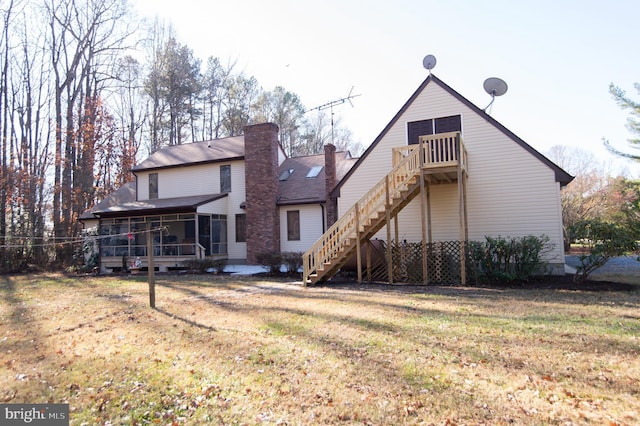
(438, 158)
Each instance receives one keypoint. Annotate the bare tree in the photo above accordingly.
(284, 109)
(5, 183)
(587, 196)
(31, 110)
(242, 92)
(130, 112)
(84, 37)
(321, 129)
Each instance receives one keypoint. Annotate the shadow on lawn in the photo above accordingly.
(184, 320)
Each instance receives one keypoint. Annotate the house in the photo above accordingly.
(231, 198)
(442, 173)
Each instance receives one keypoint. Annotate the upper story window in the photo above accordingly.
(293, 225)
(415, 129)
(225, 178)
(153, 186)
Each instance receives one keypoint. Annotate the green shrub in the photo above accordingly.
(603, 241)
(219, 264)
(203, 265)
(292, 260)
(503, 260)
(270, 260)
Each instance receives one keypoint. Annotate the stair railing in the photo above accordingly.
(346, 229)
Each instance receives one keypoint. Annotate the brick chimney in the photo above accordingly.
(330, 182)
(261, 183)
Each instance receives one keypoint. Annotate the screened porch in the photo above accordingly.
(175, 238)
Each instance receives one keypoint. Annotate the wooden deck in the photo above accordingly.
(442, 157)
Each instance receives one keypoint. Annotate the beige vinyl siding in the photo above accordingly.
(236, 250)
(192, 180)
(90, 224)
(236, 197)
(142, 186)
(311, 220)
(509, 191)
(189, 181)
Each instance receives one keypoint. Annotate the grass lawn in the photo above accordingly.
(228, 350)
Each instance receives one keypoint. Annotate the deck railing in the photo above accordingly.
(439, 150)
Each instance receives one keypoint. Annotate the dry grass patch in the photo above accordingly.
(244, 351)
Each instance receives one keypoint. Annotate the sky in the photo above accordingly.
(557, 58)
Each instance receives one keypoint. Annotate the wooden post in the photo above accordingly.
(461, 214)
(152, 279)
(423, 212)
(429, 232)
(358, 254)
(388, 221)
(368, 252)
(396, 230)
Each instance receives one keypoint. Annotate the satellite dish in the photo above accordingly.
(429, 62)
(495, 87)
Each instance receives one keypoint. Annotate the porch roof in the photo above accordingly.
(159, 206)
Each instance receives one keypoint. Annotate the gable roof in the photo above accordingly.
(189, 154)
(561, 176)
(299, 189)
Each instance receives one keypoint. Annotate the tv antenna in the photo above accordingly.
(429, 62)
(331, 104)
(495, 87)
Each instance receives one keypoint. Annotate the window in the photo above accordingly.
(314, 171)
(225, 179)
(241, 228)
(447, 124)
(293, 225)
(153, 186)
(416, 129)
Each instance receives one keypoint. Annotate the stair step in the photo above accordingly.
(338, 251)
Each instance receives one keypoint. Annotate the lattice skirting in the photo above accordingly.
(443, 262)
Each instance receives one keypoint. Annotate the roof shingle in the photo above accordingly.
(224, 149)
